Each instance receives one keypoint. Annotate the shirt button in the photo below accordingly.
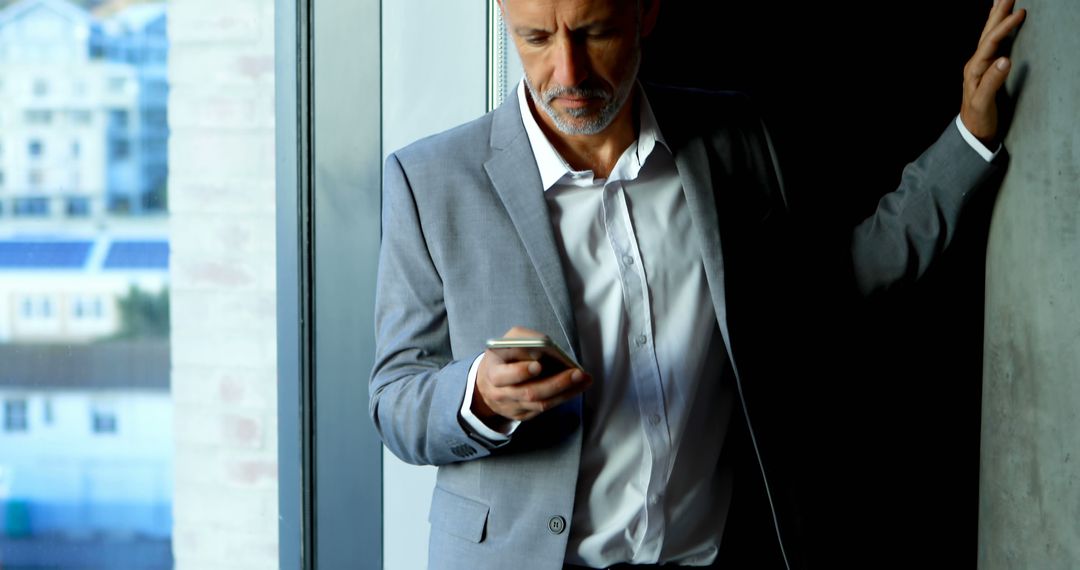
(628, 260)
(654, 419)
(556, 525)
(641, 340)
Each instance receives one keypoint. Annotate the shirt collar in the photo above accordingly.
(552, 166)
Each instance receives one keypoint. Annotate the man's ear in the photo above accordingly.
(650, 11)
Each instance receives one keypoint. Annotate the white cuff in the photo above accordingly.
(975, 143)
(482, 429)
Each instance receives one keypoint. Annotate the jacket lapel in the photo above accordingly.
(521, 192)
(691, 160)
(513, 173)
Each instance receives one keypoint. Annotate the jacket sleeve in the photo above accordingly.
(416, 386)
(913, 224)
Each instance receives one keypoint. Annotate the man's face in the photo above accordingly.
(581, 57)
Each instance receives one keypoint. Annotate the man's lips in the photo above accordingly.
(575, 102)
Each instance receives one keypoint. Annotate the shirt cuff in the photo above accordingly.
(975, 143)
(474, 423)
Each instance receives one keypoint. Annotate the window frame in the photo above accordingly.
(330, 487)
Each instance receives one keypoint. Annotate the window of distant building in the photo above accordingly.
(38, 117)
(119, 149)
(48, 415)
(96, 50)
(103, 419)
(80, 117)
(118, 119)
(77, 206)
(36, 206)
(153, 146)
(119, 204)
(15, 415)
(154, 117)
(117, 84)
(41, 87)
(34, 178)
(35, 147)
(86, 308)
(39, 307)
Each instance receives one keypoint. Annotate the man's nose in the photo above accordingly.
(571, 62)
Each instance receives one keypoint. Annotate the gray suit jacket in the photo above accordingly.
(468, 251)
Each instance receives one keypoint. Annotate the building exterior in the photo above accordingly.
(81, 449)
(83, 128)
(85, 406)
(216, 416)
(136, 37)
(85, 413)
(67, 288)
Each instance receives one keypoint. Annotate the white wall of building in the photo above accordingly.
(59, 460)
(54, 95)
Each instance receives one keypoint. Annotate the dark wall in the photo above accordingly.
(852, 91)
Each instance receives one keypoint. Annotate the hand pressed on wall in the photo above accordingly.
(985, 73)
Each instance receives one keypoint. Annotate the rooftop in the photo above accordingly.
(91, 255)
(105, 365)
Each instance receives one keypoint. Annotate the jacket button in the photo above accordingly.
(556, 525)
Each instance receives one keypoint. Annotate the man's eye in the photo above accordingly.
(536, 40)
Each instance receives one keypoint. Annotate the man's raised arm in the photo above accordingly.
(913, 224)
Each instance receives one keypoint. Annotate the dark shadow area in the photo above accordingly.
(889, 467)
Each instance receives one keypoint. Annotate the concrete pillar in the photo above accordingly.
(1029, 488)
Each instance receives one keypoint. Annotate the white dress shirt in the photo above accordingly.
(648, 336)
(647, 491)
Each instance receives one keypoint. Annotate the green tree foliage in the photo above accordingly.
(143, 314)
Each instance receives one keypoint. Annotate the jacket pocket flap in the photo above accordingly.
(457, 515)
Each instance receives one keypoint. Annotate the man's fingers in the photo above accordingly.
(998, 13)
(540, 391)
(536, 394)
(991, 81)
(512, 373)
(985, 72)
(558, 400)
(524, 402)
(543, 395)
(985, 61)
(991, 40)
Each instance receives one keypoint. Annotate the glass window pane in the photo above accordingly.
(137, 289)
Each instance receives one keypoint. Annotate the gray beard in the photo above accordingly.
(586, 124)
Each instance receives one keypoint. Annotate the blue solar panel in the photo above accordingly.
(44, 254)
(145, 254)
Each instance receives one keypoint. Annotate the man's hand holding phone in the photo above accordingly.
(521, 380)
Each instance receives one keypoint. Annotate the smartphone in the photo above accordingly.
(552, 359)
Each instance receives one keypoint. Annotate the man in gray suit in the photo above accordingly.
(640, 229)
